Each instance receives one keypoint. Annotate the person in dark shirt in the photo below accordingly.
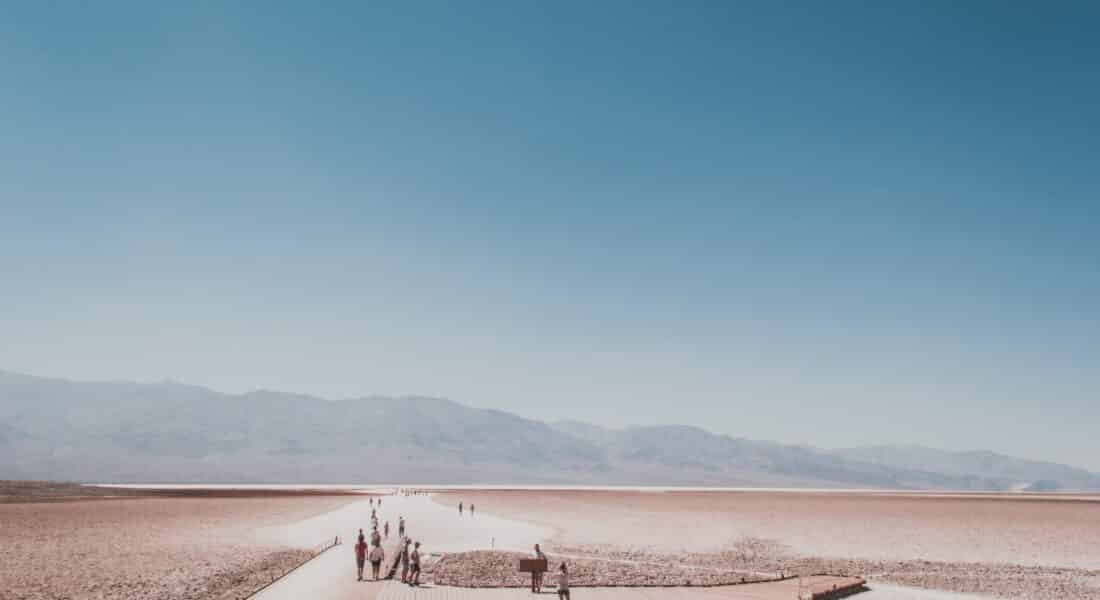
(404, 558)
(414, 565)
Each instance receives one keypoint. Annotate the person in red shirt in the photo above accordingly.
(360, 554)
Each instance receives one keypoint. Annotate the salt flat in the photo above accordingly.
(1006, 528)
(199, 547)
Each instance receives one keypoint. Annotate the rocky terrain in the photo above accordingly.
(999, 546)
(499, 569)
(137, 548)
(758, 560)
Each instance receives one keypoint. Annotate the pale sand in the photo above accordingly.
(988, 545)
(875, 527)
(885, 591)
(165, 548)
(184, 548)
(440, 529)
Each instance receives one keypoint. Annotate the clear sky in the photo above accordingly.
(832, 223)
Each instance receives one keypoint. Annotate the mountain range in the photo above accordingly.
(171, 432)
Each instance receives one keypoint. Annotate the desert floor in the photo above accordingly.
(486, 544)
(1052, 533)
(170, 548)
(193, 544)
(994, 545)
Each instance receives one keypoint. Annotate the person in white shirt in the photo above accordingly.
(377, 555)
(536, 576)
(563, 583)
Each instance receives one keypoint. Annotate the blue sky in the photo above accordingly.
(828, 223)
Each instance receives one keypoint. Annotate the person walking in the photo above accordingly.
(563, 582)
(386, 530)
(360, 554)
(460, 509)
(536, 576)
(375, 538)
(414, 566)
(404, 558)
(400, 526)
(471, 510)
(377, 555)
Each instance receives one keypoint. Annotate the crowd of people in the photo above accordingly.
(408, 551)
(408, 559)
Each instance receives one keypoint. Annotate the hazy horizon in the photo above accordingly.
(563, 419)
(836, 225)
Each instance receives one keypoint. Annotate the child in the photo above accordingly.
(563, 583)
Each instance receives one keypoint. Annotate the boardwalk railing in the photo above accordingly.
(314, 552)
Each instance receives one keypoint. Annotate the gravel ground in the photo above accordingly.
(499, 569)
(997, 580)
(1040, 548)
(164, 548)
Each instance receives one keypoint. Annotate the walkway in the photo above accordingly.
(331, 576)
(773, 590)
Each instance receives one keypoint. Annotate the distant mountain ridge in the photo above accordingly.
(173, 432)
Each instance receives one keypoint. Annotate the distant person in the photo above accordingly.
(400, 527)
(563, 582)
(379, 503)
(460, 509)
(377, 555)
(536, 576)
(386, 530)
(404, 558)
(372, 502)
(471, 510)
(414, 565)
(360, 555)
(375, 538)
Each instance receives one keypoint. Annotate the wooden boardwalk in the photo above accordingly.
(331, 575)
(821, 587)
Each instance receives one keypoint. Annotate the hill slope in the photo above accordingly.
(120, 431)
